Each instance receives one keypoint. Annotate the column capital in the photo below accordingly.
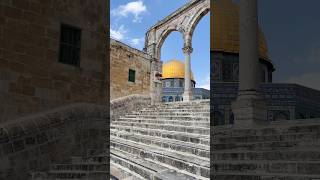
(187, 49)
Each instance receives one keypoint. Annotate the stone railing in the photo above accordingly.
(33, 143)
(127, 104)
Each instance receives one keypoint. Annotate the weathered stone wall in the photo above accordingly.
(31, 78)
(121, 106)
(31, 144)
(123, 58)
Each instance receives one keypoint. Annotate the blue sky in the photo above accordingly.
(130, 20)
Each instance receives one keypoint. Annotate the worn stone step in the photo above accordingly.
(178, 128)
(183, 161)
(182, 136)
(272, 129)
(78, 170)
(135, 164)
(176, 145)
(175, 110)
(170, 113)
(268, 138)
(296, 167)
(119, 172)
(273, 145)
(182, 109)
(163, 121)
(287, 155)
(182, 118)
(145, 168)
(261, 176)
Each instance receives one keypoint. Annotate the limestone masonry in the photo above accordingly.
(31, 77)
(122, 59)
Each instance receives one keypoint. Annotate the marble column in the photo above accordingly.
(187, 95)
(249, 108)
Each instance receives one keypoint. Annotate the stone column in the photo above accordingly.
(187, 95)
(249, 108)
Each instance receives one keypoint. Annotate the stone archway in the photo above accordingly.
(184, 20)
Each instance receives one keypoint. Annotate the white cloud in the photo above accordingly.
(311, 80)
(118, 33)
(138, 42)
(136, 8)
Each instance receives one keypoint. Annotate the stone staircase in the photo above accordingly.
(96, 167)
(167, 141)
(282, 151)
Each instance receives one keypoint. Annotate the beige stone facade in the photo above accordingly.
(123, 58)
(31, 77)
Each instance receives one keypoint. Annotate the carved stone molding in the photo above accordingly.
(187, 50)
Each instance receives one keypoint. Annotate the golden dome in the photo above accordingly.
(174, 69)
(225, 29)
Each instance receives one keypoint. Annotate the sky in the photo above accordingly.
(130, 20)
(292, 30)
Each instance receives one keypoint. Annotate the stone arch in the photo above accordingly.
(184, 20)
(194, 22)
(163, 38)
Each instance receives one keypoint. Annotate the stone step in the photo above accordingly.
(146, 168)
(268, 167)
(182, 136)
(285, 155)
(261, 176)
(176, 145)
(178, 128)
(170, 113)
(182, 118)
(122, 173)
(292, 129)
(273, 145)
(181, 106)
(78, 170)
(163, 121)
(175, 110)
(183, 161)
(268, 138)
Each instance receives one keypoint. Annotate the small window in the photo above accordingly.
(132, 75)
(70, 43)
(130, 56)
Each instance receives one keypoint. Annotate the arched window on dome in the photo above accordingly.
(170, 99)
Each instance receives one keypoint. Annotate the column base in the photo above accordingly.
(187, 96)
(249, 110)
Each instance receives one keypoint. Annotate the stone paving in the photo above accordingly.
(167, 141)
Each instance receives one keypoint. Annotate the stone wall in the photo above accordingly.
(31, 78)
(31, 144)
(127, 104)
(123, 58)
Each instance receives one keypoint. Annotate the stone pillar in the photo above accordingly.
(187, 95)
(249, 108)
(155, 82)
